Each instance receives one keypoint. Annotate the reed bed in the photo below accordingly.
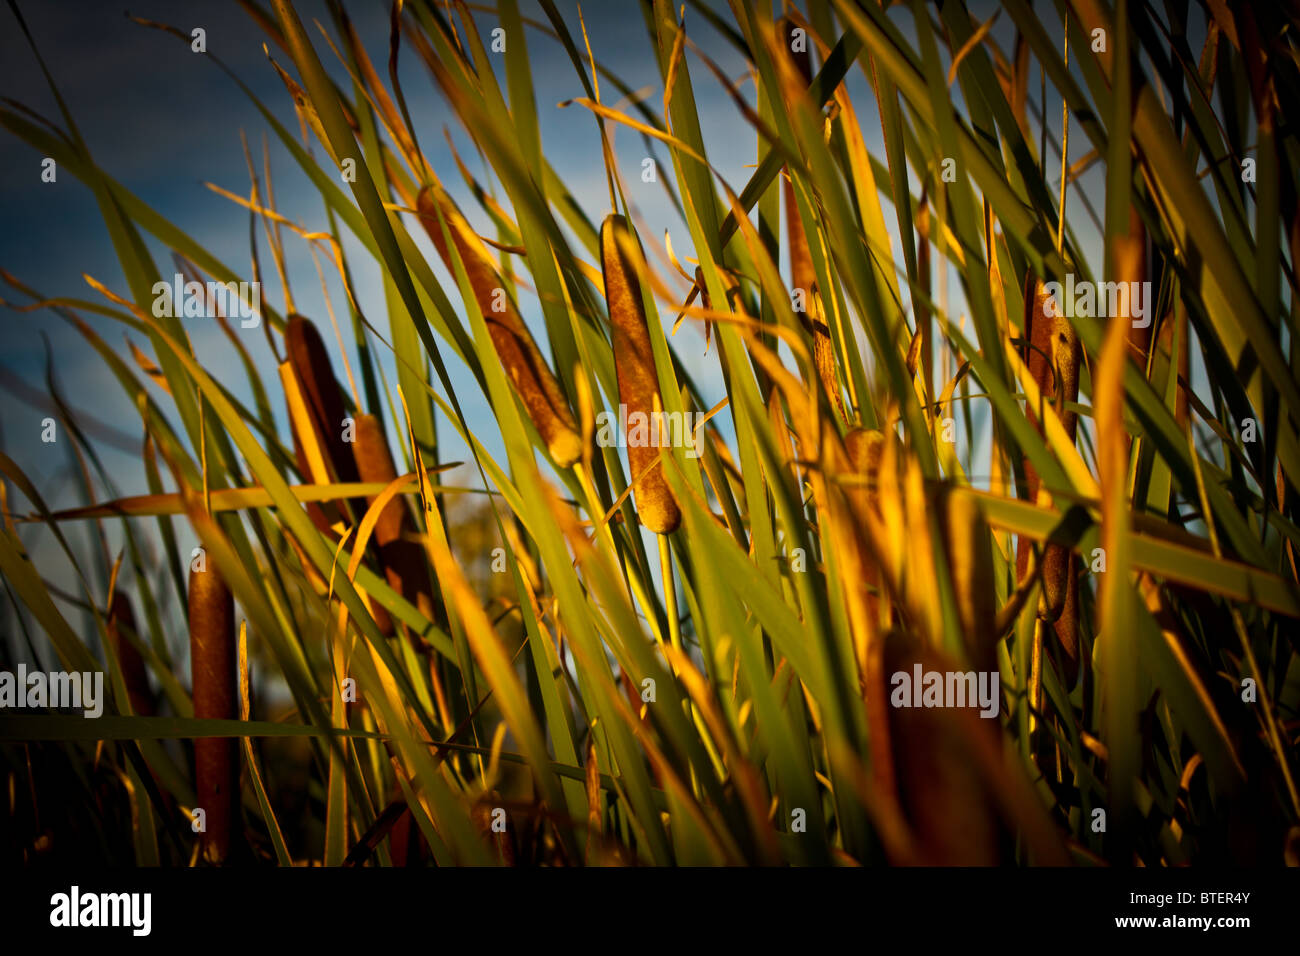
(925, 460)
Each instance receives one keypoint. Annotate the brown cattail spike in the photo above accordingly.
(1139, 336)
(638, 381)
(403, 560)
(313, 374)
(541, 392)
(865, 447)
(1053, 360)
(213, 667)
(941, 787)
(311, 363)
(970, 559)
(1054, 365)
(304, 447)
(121, 622)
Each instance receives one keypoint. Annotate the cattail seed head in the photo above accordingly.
(308, 364)
(968, 544)
(865, 447)
(532, 378)
(638, 381)
(213, 665)
(311, 364)
(1139, 337)
(374, 465)
(403, 561)
(122, 619)
(1053, 362)
(940, 786)
(1054, 355)
(1067, 625)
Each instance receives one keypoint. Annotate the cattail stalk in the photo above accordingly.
(306, 451)
(865, 448)
(969, 548)
(310, 362)
(213, 665)
(1053, 364)
(1053, 361)
(1139, 338)
(134, 676)
(402, 560)
(952, 814)
(638, 381)
(542, 395)
(323, 454)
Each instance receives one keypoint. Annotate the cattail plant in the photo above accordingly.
(309, 363)
(317, 418)
(1053, 361)
(941, 789)
(969, 547)
(638, 382)
(121, 622)
(213, 664)
(864, 447)
(822, 544)
(532, 378)
(1139, 336)
(401, 558)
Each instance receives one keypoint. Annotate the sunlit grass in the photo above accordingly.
(686, 655)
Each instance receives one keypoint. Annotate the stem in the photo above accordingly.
(670, 594)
